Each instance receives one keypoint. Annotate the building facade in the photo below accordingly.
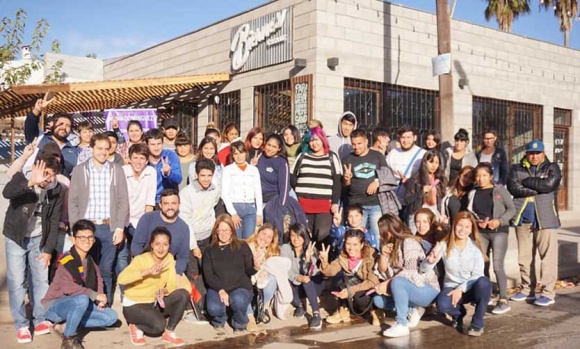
(292, 61)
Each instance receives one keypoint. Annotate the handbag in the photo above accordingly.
(360, 298)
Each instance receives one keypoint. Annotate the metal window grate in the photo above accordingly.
(273, 106)
(228, 109)
(516, 124)
(392, 106)
(562, 117)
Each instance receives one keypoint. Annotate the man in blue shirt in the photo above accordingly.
(165, 161)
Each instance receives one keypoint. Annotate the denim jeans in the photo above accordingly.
(79, 311)
(105, 253)
(479, 293)
(269, 292)
(499, 245)
(247, 213)
(239, 300)
(311, 290)
(407, 295)
(18, 261)
(371, 215)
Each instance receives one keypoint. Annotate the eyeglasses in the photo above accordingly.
(83, 238)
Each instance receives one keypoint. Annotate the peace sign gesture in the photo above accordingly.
(323, 254)
(337, 218)
(309, 252)
(254, 160)
(435, 253)
(165, 169)
(347, 172)
(42, 103)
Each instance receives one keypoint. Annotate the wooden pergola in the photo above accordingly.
(100, 95)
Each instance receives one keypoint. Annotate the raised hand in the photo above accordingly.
(309, 251)
(30, 148)
(154, 270)
(387, 249)
(165, 169)
(38, 175)
(254, 160)
(435, 253)
(115, 122)
(323, 254)
(337, 218)
(42, 103)
(347, 172)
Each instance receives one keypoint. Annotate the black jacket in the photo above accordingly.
(541, 186)
(23, 201)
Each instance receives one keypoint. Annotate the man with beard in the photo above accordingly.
(59, 132)
(98, 193)
(165, 217)
(165, 162)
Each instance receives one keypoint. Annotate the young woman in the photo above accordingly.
(230, 133)
(410, 290)
(428, 230)
(207, 150)
(455, 199)
(464, 283)
(227, 269)
(315, 177)
(432, 141)
(356, 261)
(152, 292)
(135, 132)
(274, 172)
(305, 278)
(426, 187)
(493, 207)
(186, 158)
(264, 245)
(459, 156)
(255, 144)
(76, 297)
(242, 192)
(85, 130)
(495, 156)
(292, 141)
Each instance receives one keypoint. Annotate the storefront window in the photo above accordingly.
(273, 106)
(516, 124)
(228, 109)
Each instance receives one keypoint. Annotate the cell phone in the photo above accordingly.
(435, 182)
(371, 291)
(311, 270)
(335, 293)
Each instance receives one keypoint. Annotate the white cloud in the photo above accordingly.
(78, 44)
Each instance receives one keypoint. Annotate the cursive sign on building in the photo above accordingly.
(262, 42)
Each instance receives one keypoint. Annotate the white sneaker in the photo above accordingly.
(396, 330)
(415, 316)
(192, 319)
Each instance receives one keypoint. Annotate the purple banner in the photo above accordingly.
(147, 118)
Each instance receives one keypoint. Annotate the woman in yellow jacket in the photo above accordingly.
(152, 292)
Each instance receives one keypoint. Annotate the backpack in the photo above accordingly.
(260, 313)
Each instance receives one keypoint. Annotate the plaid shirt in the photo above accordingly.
(99, 192)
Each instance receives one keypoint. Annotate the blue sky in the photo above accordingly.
(112, 28)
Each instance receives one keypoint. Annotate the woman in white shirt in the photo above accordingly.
(242, 192)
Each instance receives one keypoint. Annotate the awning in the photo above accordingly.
(98, 95)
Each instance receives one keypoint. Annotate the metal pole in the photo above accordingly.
(12, 146)
(445, 80)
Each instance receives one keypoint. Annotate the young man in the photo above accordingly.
(165, 217)
(340, 143)
(85, 129)
(170, 132)
(165, 162)
(31, 231)
(114, 157)
(380, 140)
(98, 193)
(360, 176)
(59, 134)
(534, 184)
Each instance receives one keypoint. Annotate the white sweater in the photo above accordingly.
(241, 187)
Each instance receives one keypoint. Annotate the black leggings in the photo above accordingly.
(151, 319)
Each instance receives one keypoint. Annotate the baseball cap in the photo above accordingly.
(535, 146)
(170, 122)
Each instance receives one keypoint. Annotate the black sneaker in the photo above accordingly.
(315, 322)
(457, 324)
(299, 312)
(239, 330)
(474, 331)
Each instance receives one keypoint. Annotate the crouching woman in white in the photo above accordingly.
(464, 280)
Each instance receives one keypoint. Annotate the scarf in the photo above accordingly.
(86, 278)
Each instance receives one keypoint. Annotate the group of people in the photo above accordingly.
(221, 234)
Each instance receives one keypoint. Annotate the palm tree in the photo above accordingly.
(565, 11)
(505, 11)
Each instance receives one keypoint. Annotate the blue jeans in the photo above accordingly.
(269, 292)
(371, 215)
(105, 253)
(479, 293)
(239, 300)
(18, 261)
(407, 295)
(79, 311)
(311, 290)
(247, 213)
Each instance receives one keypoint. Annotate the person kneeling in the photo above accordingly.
(152, 292)
(76, 294)
(464, 281)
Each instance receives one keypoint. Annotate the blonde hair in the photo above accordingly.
(273, 249)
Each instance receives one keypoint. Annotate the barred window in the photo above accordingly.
(273, 106)
(227, 110)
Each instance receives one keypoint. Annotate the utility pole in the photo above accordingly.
(445, 80)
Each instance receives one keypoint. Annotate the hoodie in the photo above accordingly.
(339, 143)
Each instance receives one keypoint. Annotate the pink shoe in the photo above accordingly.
(42, 328)
(23, 335)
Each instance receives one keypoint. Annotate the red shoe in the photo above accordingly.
(42, 328)
(171, 338)
(137, 337)
(23, 335)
